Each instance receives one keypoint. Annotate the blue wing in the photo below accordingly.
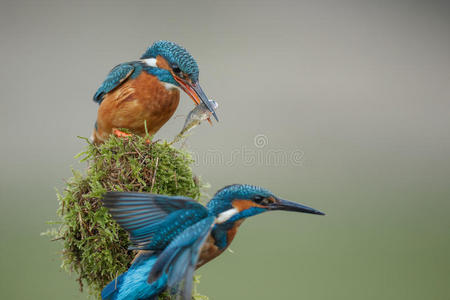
(152, 220)
(178, 261)
(116, 77)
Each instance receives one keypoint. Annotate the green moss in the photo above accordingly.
(94, 246)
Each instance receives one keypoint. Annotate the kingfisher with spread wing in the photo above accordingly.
(178, 235)
(142, 95)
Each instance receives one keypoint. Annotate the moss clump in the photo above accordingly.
(95, 247)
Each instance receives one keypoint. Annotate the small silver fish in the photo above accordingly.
(195, 117)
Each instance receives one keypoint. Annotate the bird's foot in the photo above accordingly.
(121, 134)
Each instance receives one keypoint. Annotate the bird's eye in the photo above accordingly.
(261, 200)
(176, 70)
(258, 199)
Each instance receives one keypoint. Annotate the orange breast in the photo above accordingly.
(210, 251)
(137, 100)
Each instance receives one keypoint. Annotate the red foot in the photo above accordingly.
(121, 134)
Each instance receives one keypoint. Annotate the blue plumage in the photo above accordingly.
(133, 283)
(115, 77)
(120, 73)
(148, 104)
(179, 259)
(176, 55)
(222, 200)
(177, 229)
(153, 220)
(109, 291)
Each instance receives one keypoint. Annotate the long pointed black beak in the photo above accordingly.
(200, 94)
(293, 206)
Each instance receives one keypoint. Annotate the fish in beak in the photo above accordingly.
(196, 93)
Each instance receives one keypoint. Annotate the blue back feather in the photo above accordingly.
(173, 53)
(120, 73)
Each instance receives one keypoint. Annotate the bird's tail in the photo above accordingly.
(110, 290)
(133, 283)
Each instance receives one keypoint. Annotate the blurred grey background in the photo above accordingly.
(341, 105)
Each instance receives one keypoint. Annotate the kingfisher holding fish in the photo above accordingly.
(142, 95)
(178, 235)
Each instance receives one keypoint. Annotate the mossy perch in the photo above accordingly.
(95, 247)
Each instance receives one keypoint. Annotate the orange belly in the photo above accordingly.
(136, 101)
(210, 251)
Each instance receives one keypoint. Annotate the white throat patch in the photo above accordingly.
(150, 62)
(169, 86)
(226, 215)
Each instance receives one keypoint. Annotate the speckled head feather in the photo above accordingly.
(242, 191)
(224, 197)
(175, 55)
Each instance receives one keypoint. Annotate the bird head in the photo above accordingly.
(240, 201)
(180, 67)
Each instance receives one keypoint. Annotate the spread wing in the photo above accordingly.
(178, 261)
(115, 78)
(152, 220)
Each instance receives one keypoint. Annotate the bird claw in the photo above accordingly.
(121, 134)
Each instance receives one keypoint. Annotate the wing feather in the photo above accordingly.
(152, 220)
(178, 261)
(115, 78)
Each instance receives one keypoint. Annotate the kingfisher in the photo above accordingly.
(142, 95)
(175, 235)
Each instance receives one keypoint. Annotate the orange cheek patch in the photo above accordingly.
(162, 63)
(241, 204)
